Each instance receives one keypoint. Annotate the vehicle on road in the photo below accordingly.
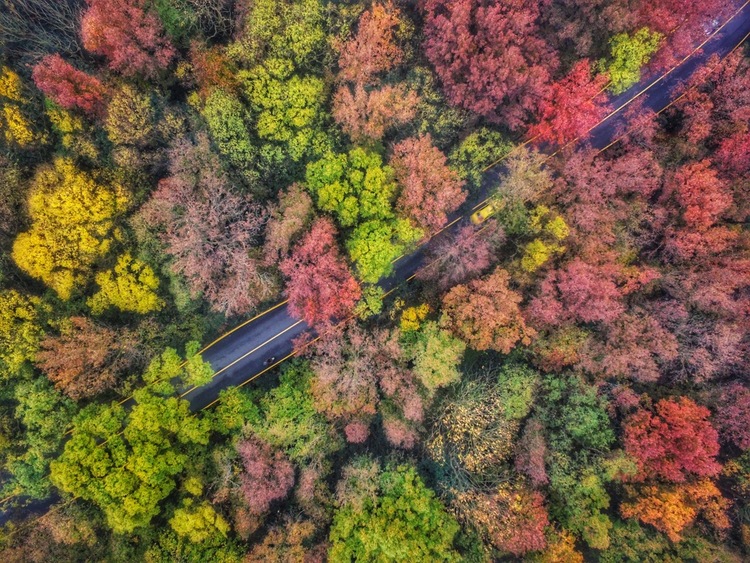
(481, 215)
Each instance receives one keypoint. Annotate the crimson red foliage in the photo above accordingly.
(268, 475)
(572, 106)
(320, 286)
(69, 87)
(129, 35)
(674, 442)
(489, 56)
(733, 156)
(700, 192)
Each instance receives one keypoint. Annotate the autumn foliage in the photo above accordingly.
(129, 35)
(267, 475)
(320, 286)
(674, 442)
(486, 314)
(69, 87)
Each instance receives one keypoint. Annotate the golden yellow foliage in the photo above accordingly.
(412, 317)
(73, 225)
(558, 228)
(11, 86)
(15, 124)
(536, 253)
(560, 550)
(130, 286)
(130, 118)
(20, 330)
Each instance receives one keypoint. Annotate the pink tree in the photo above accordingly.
(320, 286)
(573, 105)
(489, 56)
(268, 475)
(366, 115)
(674, 442)
(129, 35)
(733, 415)
(430, 190)
(69, 87)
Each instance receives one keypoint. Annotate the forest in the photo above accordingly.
(563, 379)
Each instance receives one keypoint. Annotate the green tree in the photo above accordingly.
(628, 54)
(437, 355)
(517, 383)
(405, 522)
(128, 462)
(355, 187)
(375, 245)
(477, 151)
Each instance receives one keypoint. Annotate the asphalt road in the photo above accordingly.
(243, 355)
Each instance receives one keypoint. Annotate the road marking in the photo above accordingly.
(274, 337)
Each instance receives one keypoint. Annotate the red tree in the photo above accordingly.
(268, 475)
(733, 156)
(701, 194)
(674, 442)
(320, 286)
(129, 35)
(573, 105)
(489, 56)
(373, 49)
(69, 87)
(430, 190)
(530, 453)
(733, 415)
(485, 314)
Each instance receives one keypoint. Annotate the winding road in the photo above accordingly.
(238, 356)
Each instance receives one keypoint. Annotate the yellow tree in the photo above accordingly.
(130, 286)
(15, 126)
(72, 226)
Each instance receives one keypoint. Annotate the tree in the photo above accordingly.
(131, 118)
(526, 179)
(355, 186)
(674, 442)
(403, 523)
(375, 245)
(73, 224)
(430, 191)
(17, 113)
(142, 455)
(267, 475)
(732, 415)
(436, 356)
(485, 314)
(21, 330)
(287, 542)
(452, 259)
(373, 49)
(531, 450)
(477, 151)
(291, 419)
(571, 107)
(701, 194)
(287, 221)
(210, 230)
(320, 287)
(628, 54)
(86, 359)
(581, 291)
(198, 522)
(127, 34)
(511, 517)
(471, 438)
(69, 87)
(130, 286)
(489, 56)
(367, 115)
(671, 508)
